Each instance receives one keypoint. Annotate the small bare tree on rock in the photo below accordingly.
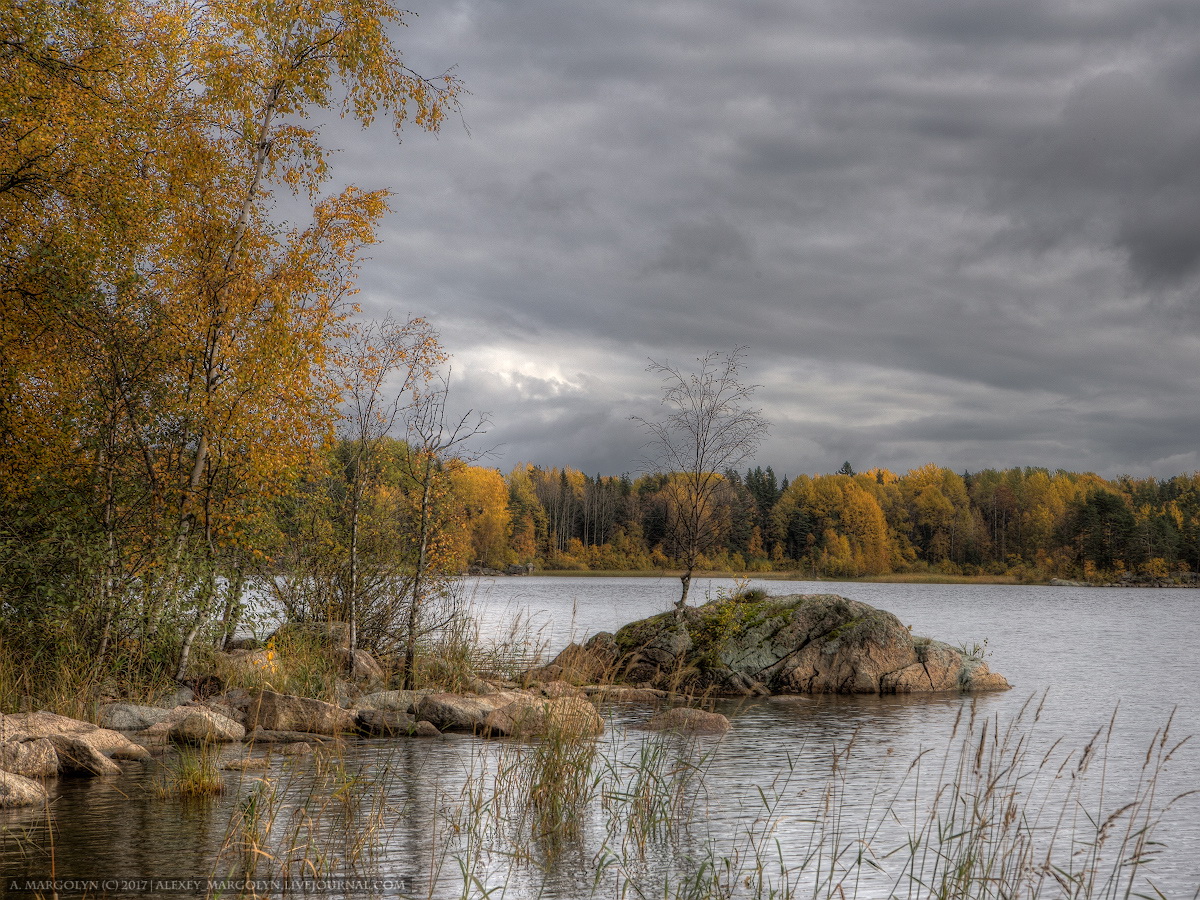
(709, 427)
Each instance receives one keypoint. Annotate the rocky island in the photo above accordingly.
(756, 644)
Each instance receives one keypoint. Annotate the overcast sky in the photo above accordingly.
(954, 231)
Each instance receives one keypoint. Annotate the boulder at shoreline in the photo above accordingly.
(795, 644)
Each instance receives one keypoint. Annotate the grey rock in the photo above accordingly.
(76, 756)
(361, 667)
(808, 644)
(462, 712)
(283, 712)
(204, 726)
(132, 716)
(384, 723)
(104, 741)
(17, 791)
(537, 717)
(34, 758)
(400, 701)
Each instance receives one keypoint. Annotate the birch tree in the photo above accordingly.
(707, 427)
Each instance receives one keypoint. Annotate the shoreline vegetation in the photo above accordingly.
(891, 578)
(591, 803)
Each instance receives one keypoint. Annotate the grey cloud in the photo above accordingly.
(699, 248)
(950, 232)
(1121, 166)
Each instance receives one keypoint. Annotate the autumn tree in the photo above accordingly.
(434, 438)
(382, 366)
(487, 522)
(164, 342)
(708, 427)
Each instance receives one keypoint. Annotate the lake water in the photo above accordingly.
(427, 817)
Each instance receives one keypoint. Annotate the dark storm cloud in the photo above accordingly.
(1119, 166)
(964, 232)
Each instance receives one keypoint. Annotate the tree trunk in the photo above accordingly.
(418, 588)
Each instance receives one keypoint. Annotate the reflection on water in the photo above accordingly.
(427, 810)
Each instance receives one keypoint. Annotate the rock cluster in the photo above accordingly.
(798, 644)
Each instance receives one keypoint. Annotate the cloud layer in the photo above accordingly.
(965, 233)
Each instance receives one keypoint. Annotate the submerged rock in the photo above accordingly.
(689, 721)
(796, 644)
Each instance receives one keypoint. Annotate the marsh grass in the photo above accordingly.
(458, 654)
(312, 817)
(997, 814)
(1009, 819)
(68, 679)
(997, 811)
(190, 773)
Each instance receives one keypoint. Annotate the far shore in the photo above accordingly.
(894, 578)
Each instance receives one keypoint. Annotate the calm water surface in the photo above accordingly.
(422, 812)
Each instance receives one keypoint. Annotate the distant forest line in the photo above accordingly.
(1028, 523)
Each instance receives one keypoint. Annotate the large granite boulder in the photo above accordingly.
(198, 725)
(284, 712)
(16, 791)
(77, 756)
(531, 717)
(34, 758)
(463, 712)
(123, 716)
(796, 644)
(398, 701)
